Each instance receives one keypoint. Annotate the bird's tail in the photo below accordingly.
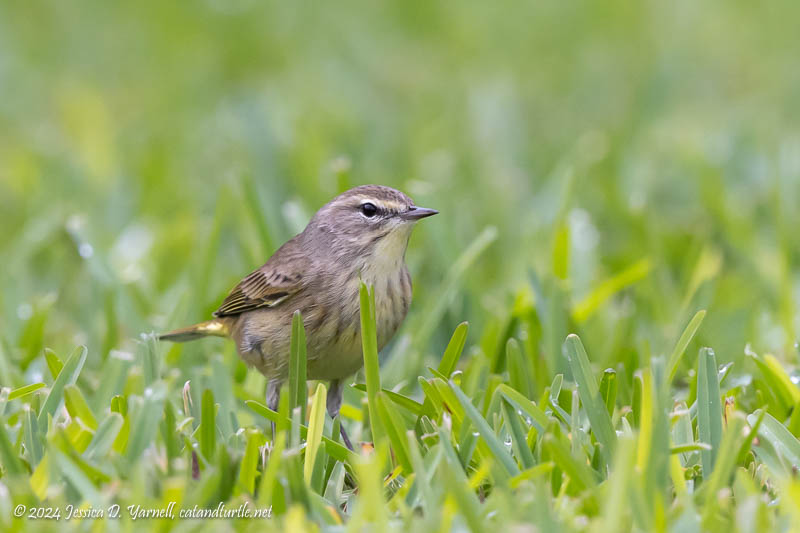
(209, 328)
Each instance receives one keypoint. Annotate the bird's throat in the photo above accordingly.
(387, 257)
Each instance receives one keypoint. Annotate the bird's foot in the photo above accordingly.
(345, 438)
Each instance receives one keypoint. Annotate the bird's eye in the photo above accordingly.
(369, 210)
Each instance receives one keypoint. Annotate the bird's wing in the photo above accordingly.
(275, 282)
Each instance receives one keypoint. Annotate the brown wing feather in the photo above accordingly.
(275, 282)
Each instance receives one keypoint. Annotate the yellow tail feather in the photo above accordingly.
(209, 328)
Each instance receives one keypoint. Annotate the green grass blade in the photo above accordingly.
(465, 499)
(537, 471)
(10, 460)
(78, 434)
(249, 465)
(4, 396)
(519, 441)
(726, 462)
(450, 400)
(151, 360)
(579, 473)
(576, 432)
(709, 410)
(54, 364)
(636, 401)
(432, 397)
(457, 484)
(24, 391)
(208, 426)
(119, 405)
(115, 371)
(298, 362)
(169, 434)
(421, 481)
(646, 421)
(580, 366)
(778, 436)
(371, 508)
(269, 479)
(77, 407)
(561, 251)
(104, 437)
(617, 505)
(747, 443)
(687, 448)
(334, 449)
(333, 488)
(369, 347)
(467, 444)
(33, 437)
(454, 349)
(40, 478)
(778, 379)
(144, 423)
(395, 430)
(683, 342)
(539, 419)
(590, 395)
(412, 406)
(316, 424)
(609, 287)
(498, 449)
(449, 361)
(608, 389)
(517, 368)
(77, 478)
(681, 421)
(555, 387)
(68, 375)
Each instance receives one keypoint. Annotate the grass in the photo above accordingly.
(472, 444)
(603, 334)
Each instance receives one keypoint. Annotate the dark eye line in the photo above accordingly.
(378, 211)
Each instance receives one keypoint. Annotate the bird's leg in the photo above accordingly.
(273, 398)
(334, 402)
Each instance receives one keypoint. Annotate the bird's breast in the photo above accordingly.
(391, 284)
(332, 324)
(392, 298)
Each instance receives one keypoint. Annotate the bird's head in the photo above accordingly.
(369, 219)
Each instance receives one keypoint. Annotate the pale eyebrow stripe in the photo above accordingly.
(382, 204)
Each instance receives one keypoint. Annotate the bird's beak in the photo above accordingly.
(416, 213)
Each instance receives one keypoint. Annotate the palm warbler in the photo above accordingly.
(362, 234)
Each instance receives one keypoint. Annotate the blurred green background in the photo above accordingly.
(152, 153)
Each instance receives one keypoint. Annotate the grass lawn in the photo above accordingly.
(604, 327)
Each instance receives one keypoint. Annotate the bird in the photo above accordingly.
(361, 235)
